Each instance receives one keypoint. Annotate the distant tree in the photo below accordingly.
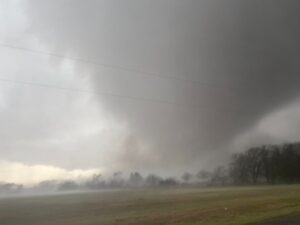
(47, 186)
(168, 182)
(136, 179)
(68, 186)
(117, 180)
(203, 175)
(96, 182)
(10, 188)
(289, 163)
(219, 176)
(186, 177)
(153, 180)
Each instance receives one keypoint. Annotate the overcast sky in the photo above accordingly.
(157, 86)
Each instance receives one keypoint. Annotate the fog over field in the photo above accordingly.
(138, 85)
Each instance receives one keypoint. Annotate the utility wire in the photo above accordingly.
(6, 45)
(242, 113)
(111, 66)
(49, 86)
(109, 94)
(133, 98)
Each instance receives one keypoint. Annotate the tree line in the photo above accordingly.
(266, 164)
(271, 164)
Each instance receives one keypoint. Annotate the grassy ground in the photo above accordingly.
(181, 206)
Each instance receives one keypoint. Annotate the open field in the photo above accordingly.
(180, 206)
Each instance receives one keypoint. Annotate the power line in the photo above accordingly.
(109, 94)
(133, 98)
(111, 66)
(159, 101)
(103, 65)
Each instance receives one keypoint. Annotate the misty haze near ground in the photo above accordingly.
(197, 81)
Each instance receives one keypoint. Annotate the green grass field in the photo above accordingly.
(180, 206)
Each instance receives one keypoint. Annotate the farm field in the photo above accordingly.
(179, 206)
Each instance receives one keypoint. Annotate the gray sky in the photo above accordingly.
(223, 76)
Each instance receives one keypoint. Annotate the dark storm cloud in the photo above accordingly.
(240, 57)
